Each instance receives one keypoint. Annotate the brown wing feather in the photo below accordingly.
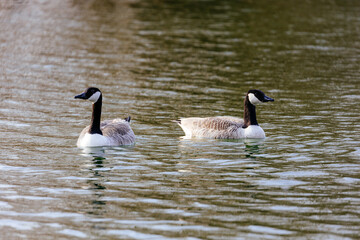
(112, 129)
(219, 123)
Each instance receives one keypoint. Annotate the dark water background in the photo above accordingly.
(160, 60)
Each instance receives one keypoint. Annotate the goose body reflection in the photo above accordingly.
(106, 133)
(226, 127)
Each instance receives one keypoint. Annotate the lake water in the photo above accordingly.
(160, 60)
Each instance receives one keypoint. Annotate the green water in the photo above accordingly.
(161, 60)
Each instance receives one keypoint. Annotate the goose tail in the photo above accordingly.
(128, 119)
(178, 121)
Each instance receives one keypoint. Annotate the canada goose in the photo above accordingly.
(225, 126)
(106, 133)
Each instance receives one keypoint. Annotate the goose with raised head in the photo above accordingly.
(225, 127)
(114, 132)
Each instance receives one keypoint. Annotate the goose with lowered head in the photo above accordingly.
(226, 127)
(114, 132)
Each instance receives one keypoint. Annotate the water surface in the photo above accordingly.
(158, 61)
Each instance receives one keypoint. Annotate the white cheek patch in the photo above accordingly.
(253, 99)
(94, 97)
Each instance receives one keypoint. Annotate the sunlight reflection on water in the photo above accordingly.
(299, 182)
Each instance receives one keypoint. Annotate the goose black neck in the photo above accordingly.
(249, 114)
(96, 117)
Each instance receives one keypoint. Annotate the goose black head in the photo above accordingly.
(92, 94)
(256, 96)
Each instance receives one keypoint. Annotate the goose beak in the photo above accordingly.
(268, 99)
(81, 96)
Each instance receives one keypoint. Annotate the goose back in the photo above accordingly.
(211, 127)
(118, 130)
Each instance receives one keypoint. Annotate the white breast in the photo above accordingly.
(92, 140)
(254, 131)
